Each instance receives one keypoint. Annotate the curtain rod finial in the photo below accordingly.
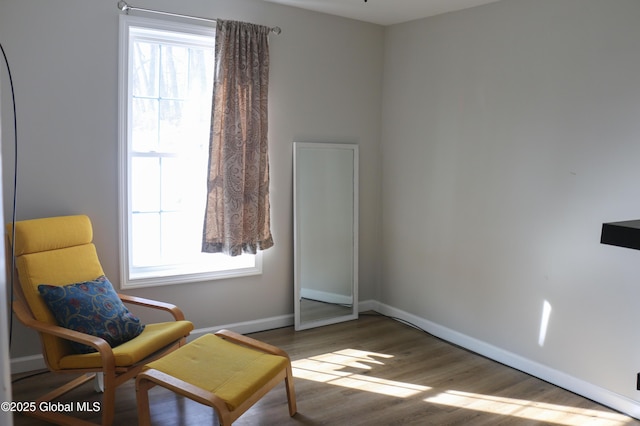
(276, 30)
(123, 6)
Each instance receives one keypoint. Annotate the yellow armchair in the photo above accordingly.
(59, 251)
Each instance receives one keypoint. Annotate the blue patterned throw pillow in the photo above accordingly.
(91, 307)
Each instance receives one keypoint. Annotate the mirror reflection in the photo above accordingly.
(326, 224)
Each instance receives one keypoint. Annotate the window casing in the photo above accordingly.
(166, 74)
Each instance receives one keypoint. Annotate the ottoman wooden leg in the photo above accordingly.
(291, 393)
(142, 396)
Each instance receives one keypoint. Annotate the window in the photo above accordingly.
(166, 78)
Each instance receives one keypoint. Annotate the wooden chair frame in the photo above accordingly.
(150, 378)
(113, 376)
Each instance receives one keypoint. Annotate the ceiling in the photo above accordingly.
(383, 12)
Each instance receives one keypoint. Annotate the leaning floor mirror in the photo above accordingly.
(325, 233)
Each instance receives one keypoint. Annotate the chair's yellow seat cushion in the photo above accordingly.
(153, 338)
(230, 371)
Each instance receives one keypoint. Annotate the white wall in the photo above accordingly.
(326, 75)
(511, 132)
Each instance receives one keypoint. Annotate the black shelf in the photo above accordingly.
(622, 234)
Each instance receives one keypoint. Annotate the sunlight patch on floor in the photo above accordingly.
(530, 410)
(342, 368)
(352, 368)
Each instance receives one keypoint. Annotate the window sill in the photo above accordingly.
(171, 277)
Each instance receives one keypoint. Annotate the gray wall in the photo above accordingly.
(511, 132)
(326, 75)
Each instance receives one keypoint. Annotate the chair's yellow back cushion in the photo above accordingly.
(54, 251)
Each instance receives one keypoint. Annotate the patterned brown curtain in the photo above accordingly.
(237, 215)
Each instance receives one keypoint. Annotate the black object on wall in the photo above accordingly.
(622, 234)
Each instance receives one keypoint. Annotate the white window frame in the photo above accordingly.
(161, 275)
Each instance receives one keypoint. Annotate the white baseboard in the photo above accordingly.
(247, 327)
(588, 390)
(600, 395)
(27, 363)
(368, 305)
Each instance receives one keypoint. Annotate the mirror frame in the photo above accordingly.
(299, 324)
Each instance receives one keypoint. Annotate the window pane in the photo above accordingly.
(172, 184)
(145, 239)
(144, 126)
(201, 64)
(145, 184)
(183, 183)
(146, 60)
(174, 72)
(201, 92)
(176, 230)
(174, 129)
(184, 190)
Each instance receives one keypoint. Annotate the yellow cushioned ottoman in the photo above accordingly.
(225, 375)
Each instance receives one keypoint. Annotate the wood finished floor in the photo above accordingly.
(373, 371)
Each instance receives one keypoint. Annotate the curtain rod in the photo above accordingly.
(125, 7)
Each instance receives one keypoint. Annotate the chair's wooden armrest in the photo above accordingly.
(101, 345)
(155, 304)
(250, 342)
